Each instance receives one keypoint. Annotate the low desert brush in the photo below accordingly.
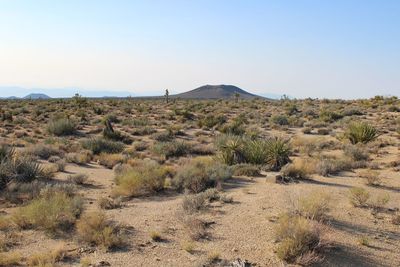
(146, 178)
(61, 127)
(94, 228)
(371, 176)
(78, 179)
(298, 239)
(359, 196)
(100, 145)
(47, 258)
(314, 206)
(198, 174)
(53, 212)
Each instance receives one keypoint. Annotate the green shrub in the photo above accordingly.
(361, 132)
(52, 211)
(278, 152)
(280, 120)
(100, 145)
(199, 174)
(61, 127)
(231, 149)
(172, 149)
(145, 178)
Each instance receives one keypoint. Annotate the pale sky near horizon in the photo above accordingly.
(303, 48)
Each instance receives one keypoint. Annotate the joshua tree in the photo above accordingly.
(166, 95)
(237, 95)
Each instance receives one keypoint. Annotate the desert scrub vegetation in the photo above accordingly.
(47, 258)
(314, 206)
(53, 211)
(359, 196)
(198, 174)
(146, 177)
(300, 240)
(100, 145)
(273, 151)
(175, 148)
(17, 169)
(361, 132)
(61, 127)
(96, 229)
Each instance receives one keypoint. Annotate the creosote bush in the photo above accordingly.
(198, 174)
(146, 177)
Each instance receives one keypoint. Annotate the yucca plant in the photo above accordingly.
(361, 132)
(231, 148)
(277, 153)
(256, 151)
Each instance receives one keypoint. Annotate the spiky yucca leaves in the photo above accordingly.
(361, 132)
(277, 153)
(17, 169)
(255, 151)
(231, 149)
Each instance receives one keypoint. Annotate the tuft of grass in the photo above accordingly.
(61, 127)
(109, 203)
(155, 236)
(314, 206)
(94, 228)
(188, 246)
(173, 148)
(53, 212)
(246, 170)
(8, 259)
(110, 160)
(100, 145)
(79, 179)
(359, 197)
(372, 177)
(47, 258)
(299, 238)
(364, 241)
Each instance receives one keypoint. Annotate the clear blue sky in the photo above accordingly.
(337, 48)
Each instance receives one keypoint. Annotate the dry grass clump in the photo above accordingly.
(53, 211)
(300, 169)
(100, 145)
(94, 228)
(198, 174)
(327, 166)
(359, 197)
(43, 151)
(197, 202)
(109, 203)
(371, 176)
(79, 178)
(195, 228)
(61, 127)
(246, 170)
(147, 177)
(356, 152)
(110, 160)
(47, 258)
(81, 158)
(314, 206)
(8, 259)
(300, 240)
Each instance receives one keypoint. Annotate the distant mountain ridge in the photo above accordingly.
(36, 96)
(221, 91)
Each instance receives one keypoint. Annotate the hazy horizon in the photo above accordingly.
(336, 49)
